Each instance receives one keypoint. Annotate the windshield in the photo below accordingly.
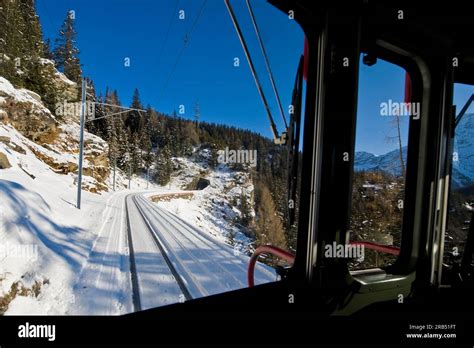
(139, 166)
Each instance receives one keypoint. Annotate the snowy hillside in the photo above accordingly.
(44, 239)
(214, 209)
(39, 215)
(47, 242)
(463, 162)
(389, 162)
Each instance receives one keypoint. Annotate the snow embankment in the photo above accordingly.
(45, 241)
(44, 237)
(216, 209)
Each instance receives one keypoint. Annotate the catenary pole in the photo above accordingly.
(81, 144)
(81, 137)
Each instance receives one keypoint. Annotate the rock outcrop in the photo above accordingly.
(23, 109)
(4, 163)
(54, 140)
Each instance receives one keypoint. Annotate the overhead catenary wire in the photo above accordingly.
(185, 44)
(168, 31)
(252, 69)
(115, 114)
(119, 106)
(125, 109)
(267, 62)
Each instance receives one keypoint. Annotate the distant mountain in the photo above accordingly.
(463, 167)
(390, 162)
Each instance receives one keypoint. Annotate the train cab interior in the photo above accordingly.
(426, 266)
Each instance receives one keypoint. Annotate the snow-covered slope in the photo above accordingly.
(21, 95)
(463, 161)
(44, 239)
(216, 208)
(46, 242)
(389, 162)
(39, 215)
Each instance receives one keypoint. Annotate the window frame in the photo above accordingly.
(406, 260)
(456, 80)
(398, 278)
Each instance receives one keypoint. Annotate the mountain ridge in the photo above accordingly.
(463, 156)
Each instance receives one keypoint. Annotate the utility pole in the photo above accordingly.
(129, 173)
(115, 168)
(81, 136)
(147, 177)
(81, 144)
(197, 113)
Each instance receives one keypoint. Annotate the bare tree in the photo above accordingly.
(395, 123)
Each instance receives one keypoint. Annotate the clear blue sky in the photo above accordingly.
(377, 84)
(110, 30)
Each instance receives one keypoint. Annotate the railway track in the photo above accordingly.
(172, 261)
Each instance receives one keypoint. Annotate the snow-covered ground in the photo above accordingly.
(57, 259)
(44, 237)
(79, 259)
(212, 209)
(205, 265)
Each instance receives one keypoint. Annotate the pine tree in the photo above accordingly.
(146, 143)
(13, 42)
(245, 209)
(214, 156)
(66, 53)
(33, 37)
(154, 126)
(123, 142)
(197, 113)
(22, 49)
(164, 166)
(112, 140)
(135, 152)
(119, 130)
(134, 120)
(190, 138)
(40, 79)
(48, 50)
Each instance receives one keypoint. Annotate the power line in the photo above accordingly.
(201, 10)
(119, 106)
(267, 62)
(273, 127)
(185, 44)
(168, 30)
